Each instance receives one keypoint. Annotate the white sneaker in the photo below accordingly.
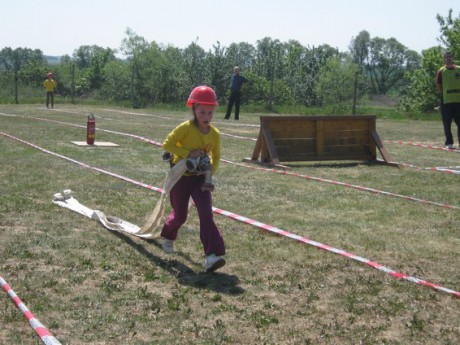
(450, 146)
(167, 246)
(213, 262)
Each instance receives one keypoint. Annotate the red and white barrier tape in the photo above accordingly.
(419, 145)
(372, 190)
(258, 126)
(440, 169)
(335, 251)
(237, 136)
(361, 188)
(37, 326)
(267, 227)
(84, 126)
(137, 114)
(156, 189)
(169, 118)
(446, 170)
(401, 142)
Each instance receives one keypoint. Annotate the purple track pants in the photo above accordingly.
(186, 187)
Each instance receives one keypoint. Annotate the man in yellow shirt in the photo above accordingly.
(50, 84)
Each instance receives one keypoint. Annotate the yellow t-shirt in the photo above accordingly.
(187, 137)
(50, 85)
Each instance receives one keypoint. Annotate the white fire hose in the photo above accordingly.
(151, 229)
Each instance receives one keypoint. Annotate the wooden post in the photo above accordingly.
(72, 82)
(353, 111)
(16, 87)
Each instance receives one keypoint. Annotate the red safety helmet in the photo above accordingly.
(202, 95)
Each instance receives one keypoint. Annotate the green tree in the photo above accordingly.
(258, 91)
(64, 71)
(302, 70)
(23, 66)
(174, 87)
(336, 81)
(218, 70)
(421, 94)
(240, 54)
(90, 61)
(134, 47)
(195, 66)
(269, 63)
(388, 60)
(296, 75)
(382, 62)
(117, 77)
(450, 33)
(359, 49)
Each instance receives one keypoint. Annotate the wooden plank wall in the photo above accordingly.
(318, 138)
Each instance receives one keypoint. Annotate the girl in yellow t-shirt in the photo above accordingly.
(194, 140)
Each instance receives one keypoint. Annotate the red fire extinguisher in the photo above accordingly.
(90, 130)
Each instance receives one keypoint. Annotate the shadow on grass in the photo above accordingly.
(326, 165)
(216, 281)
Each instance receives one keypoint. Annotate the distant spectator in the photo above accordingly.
(50, 84)
(236, 83)
(448, 84)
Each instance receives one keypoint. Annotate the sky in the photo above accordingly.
(60, 27)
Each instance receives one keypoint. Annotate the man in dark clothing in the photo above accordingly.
(236, 83)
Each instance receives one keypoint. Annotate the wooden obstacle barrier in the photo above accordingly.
(317, 138)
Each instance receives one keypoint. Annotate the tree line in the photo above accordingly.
(280, 73)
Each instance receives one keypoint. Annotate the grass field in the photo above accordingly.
(88, 285)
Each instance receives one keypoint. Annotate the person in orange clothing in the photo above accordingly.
(50, 84)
